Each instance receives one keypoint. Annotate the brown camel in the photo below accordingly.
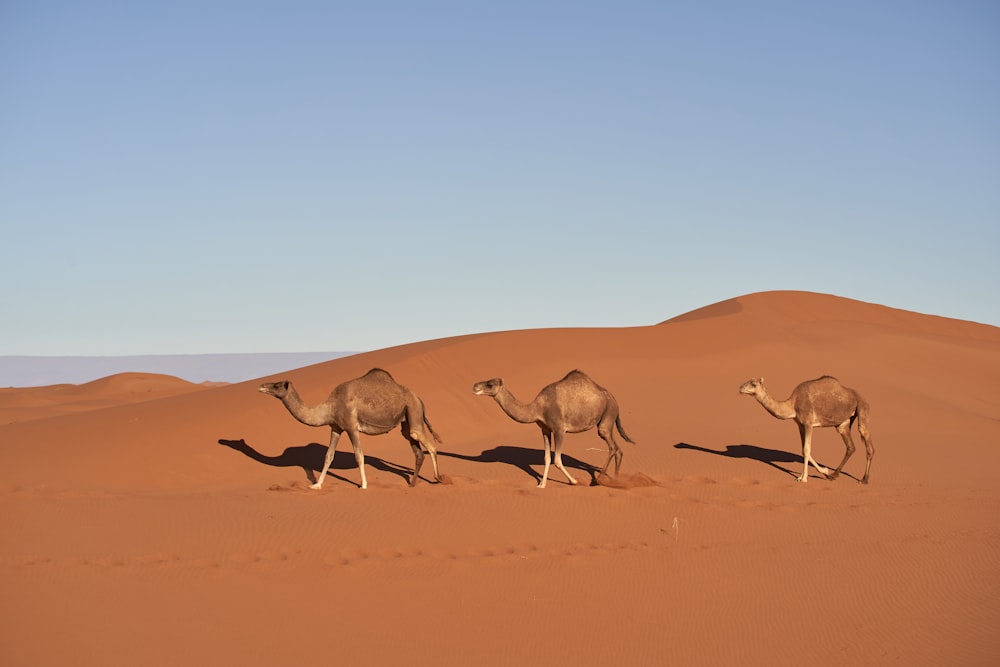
(372, 404)
(820, 402)
(572, 405)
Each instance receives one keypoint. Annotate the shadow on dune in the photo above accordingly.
(771, 457)
(310, 459)
(524, 458)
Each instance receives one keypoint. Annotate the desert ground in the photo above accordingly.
(150, 521)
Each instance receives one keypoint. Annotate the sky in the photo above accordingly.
(254, 176)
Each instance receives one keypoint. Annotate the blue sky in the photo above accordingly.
(202, 177)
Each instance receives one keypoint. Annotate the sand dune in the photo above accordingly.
(29, 403)
(150, 521)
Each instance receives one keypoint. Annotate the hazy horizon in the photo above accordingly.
(44, 370)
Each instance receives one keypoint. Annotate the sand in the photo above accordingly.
(151, 521)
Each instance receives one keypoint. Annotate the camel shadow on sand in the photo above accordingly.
(310, 458)
(525, 458)
(771, 457)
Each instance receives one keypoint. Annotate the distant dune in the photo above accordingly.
(25, 404)
(149, 520)
(37, 371)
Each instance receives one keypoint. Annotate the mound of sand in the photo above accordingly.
(29, 403)
(150, 531)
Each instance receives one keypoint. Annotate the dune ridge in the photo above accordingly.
(30, 403)
(180, 528)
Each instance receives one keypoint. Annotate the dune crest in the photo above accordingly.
(30, 403)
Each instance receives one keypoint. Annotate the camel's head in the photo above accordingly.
(753, 386)
(488, 387)
(276, 389)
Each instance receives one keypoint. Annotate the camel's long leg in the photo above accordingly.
(614, 450)
(418, 453)
(807, 458)
(330, 451)
(358, 455)
(414, 431)
(845, 432)
(432, 450)
(805, 433)
(418, 460)
(866, 437)
(547, 453)
(557, 445)
(416, 439)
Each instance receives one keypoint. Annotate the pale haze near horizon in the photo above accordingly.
(255, 177)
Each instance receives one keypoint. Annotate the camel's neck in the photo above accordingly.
(780, 409)
(516, 410)
(318, 415)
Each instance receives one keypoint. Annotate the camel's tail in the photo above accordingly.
(430, 429)
(618, 423)
(414, 418)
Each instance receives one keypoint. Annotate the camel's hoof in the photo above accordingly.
(541, 485)
(864, 481)
(317, 485)
(802, 479)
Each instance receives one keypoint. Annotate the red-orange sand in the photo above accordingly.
(180, 530)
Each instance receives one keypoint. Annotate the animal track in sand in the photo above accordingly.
(352, 557)
(32, 561)
(157, 559)
(347, 558)
(491, 553)
(698, 479)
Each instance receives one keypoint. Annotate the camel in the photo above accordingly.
(372, 404)
(572, 405)
(816, 403)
